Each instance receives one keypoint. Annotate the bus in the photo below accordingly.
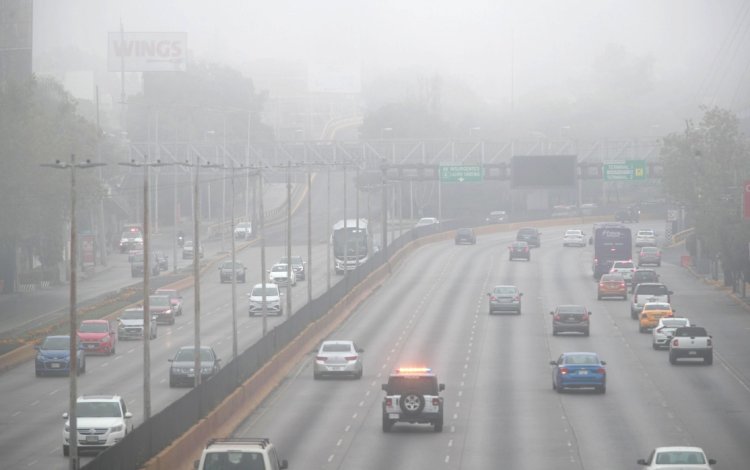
(351, 244)
(612, 242)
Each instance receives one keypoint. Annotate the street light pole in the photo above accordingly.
(263, 276)
(73, 344)
(328, 227)
(308, 269)
(289, 238)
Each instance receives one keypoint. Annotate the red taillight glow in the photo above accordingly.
(321, 358)
(388, 402)
(517, 298)
(436, 402)
(622, 284)
(563, 370)
(709, 342)
(351, 358)
(493, 298)
(585, 316)
(601, 371)
(675, 342)
(557, 317)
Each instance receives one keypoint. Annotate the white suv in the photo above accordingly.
(240, 452)
(645, 237)
(626, 268)
(413, 396)
(102, 421)
(273, 300)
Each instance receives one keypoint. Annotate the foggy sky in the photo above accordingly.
(544, 42)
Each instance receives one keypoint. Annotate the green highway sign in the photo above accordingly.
(628, 170)
(461, 173)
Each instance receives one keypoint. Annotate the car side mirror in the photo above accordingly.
(520, 294)
(218, 359)
(128, 415)
(384, 387)
(360, 350)
(170, 360)
(604, 363)
(712, 461)
(553, 363)
(641, 462)
(551, 313)
(441, 387)
(283, 465)
(670, 292)
(591, 313)
(65, 415)
(195, 464)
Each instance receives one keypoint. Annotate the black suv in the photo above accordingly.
(530, 235)
(226, 272)
(641, 276)
(466, 235)
(136, 265)
(412, 395)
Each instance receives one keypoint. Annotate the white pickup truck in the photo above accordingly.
(691, 342)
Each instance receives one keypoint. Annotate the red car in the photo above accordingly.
(174, 297)
(97, 336)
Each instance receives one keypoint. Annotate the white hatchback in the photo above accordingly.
(664, 331)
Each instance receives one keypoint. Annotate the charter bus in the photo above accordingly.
(351, 244)
(612, 242)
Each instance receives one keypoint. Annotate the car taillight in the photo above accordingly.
(517, 298)
(526, 249)
(585, 316)
(602, 284)
(622, 284)
(493, 298)
(557, 317)
(675, 342)
(563, 370)
(321, 358)
(389, 402)
(351, 358)
(436, 402)
(708, 342)
(601, 371)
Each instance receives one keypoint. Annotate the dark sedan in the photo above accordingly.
(570, 319)
(465, 235)
(182, 367)
(519, 250)
(226, 271)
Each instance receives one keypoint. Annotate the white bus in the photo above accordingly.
(351, 244)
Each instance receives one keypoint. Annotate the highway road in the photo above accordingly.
(500, 408)
(31, 409)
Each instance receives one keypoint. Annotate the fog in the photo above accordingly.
(509, 55)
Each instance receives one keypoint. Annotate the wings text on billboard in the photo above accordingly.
(147, 52)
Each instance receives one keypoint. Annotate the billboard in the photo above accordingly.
(543, 171)
(147, 52)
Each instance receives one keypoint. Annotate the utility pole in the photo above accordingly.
(73, 344)
(328, 227)
(384, 209)
(146, 289)
(346, 232)
(263, 275)
(289, 238)
(308, 269)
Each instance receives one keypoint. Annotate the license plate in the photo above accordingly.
(583, 372)
(335, 368)
(393, 415)
(92, 438)
(90, 346)
(693, 353)
(55, 365)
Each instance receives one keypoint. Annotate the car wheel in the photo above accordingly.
(66, 451)
(554, 332)
(554, 385)
(510, 258)
(672, 358)
(709, 359)
(38, 373)
(83, 367)
(172, 383)
(387, 423)
(112, 351)
(633, 315)
(316, 376)
(658, 264)
(412, 403)
(439, 425)
(598, 297)
(586, 332)
(603, 389)
(654, 346)
(641, 329)
(359, 374)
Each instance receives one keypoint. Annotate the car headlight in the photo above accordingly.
(67, 428)
(117, 428)
(104, 339)
(206, 370)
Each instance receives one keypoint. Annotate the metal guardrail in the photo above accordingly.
(680, 237)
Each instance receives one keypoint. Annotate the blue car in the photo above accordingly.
(579, 370)
(53, 357)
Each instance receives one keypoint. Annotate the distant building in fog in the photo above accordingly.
(16, 27)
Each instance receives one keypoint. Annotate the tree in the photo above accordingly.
(39, 124)
(703, 170)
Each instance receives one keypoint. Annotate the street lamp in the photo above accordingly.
(73, 362)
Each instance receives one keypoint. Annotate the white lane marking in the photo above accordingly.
(447, 458)
(117, 358)
(131, 351)
(54, 391)
(453, 428)
(455, 416)
(354, 416)
(32, 463)
(347, 428)
(362, 403)
(16, 414)
(36, 402)
(330, 458)
(105, 364)
(450, 443)
(338, 444)
(180, 327)
(162, 381)
(367, 394)
(458, 404)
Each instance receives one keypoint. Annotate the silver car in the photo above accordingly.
(273, 300)
(335, 358)
(505, 299)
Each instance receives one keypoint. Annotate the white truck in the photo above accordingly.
(242, 453)
(691, 342)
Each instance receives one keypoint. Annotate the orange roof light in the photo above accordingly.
(413, 370)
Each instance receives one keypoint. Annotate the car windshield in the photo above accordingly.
(98, 409)
(649, 249)
(573, 232)
(571, 309)
(503, 290)
(230, 459)
(93, 327)
(645, 233)
(159, 301)
(674, 322)
(279, 268)
(680, 458)
(188, 354)
(581, 359)
(612, 277)
(171, 293)
(228, 265)
(270, 291)
(623, 265)
(426, 221)
(336, 347)
(296, 260)
(527, 231)
(654, 306)
(648, 289)
(690, 331)
(59, 343)
(420, 385)
(132, 315)
(520, 245)
(464, 231)
(646, 276)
